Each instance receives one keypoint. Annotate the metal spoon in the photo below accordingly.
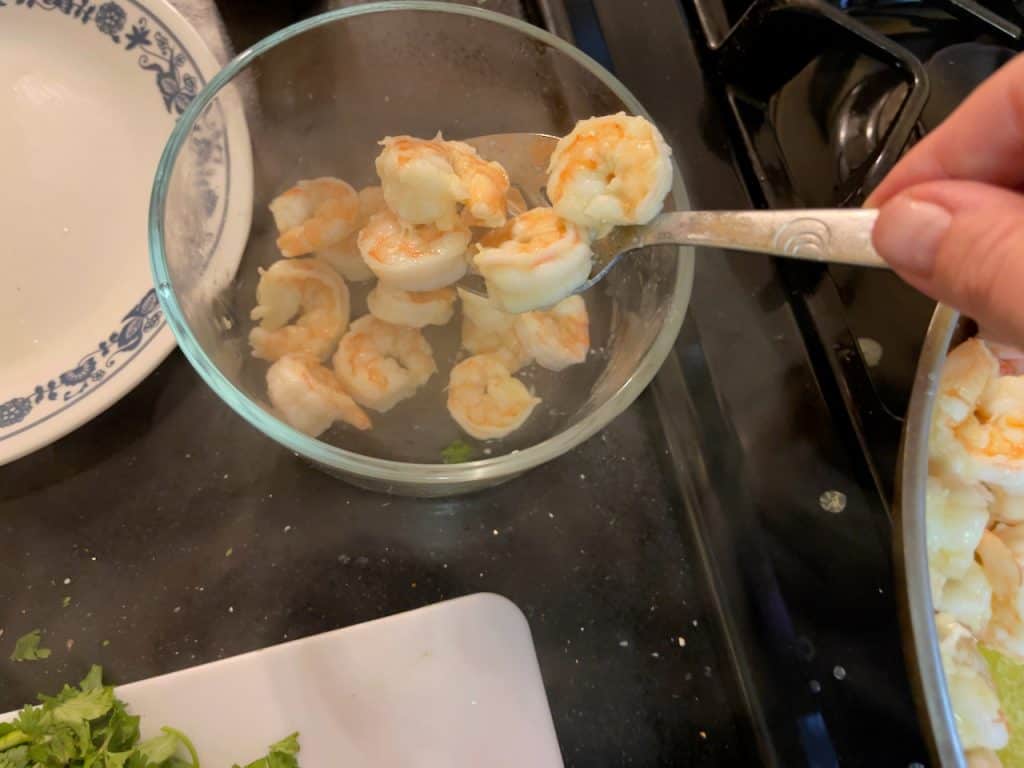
(838, 236)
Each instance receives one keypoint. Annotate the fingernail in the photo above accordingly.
(908, 234)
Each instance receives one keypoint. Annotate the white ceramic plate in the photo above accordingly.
(452, 685)
(89, 93)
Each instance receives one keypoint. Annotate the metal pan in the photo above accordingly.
(921, 644)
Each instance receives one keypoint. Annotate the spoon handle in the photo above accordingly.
(827, 235)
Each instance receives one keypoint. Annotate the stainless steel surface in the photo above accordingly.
(831, 235)
(828, 235)
(911, 554)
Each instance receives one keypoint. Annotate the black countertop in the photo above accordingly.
(183, 536)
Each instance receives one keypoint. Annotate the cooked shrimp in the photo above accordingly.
(955, 518)
(982, 758)
(302, 306)
(419, 182)
(345, 256)
(381, 364)
(426, 180)
(1005, 630)
(314, 214)
(414, 309)
(979, 718)
(610, 170)
(421, 258)
(1011, 358)
(485, 400)
(1006, 506)
(967, 372)
(993, 436)
(488, 330)
(968, 599)
(309, 397)
(486, 185)
(534, 261)
(558, 337)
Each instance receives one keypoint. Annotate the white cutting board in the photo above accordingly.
(452, 685)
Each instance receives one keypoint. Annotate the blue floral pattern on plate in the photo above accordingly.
(177, 80)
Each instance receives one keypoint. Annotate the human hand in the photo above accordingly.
(951, 218)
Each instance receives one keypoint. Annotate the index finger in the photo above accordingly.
(983, 140)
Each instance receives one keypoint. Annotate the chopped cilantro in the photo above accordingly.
(88, 727)
(26, 648)
(65, 602)
(457, 453)
(279, 755)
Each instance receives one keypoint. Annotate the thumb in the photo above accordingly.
(962, 243)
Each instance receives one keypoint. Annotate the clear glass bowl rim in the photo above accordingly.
(386, 470)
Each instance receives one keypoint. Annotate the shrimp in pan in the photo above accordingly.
(415, 309)
(485, 400)
(965, 375)
(956, 515)
(381, 364)
(345, 256)
(610, 170)
(314, 214)
(534, 261)
(980, 720)
(993, 437)
(1000, 554)
(558, 337)
(302, 306)
(310, 397)
(978, 426)
(488, 330)
(413, 258)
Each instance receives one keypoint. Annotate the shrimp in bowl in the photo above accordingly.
(488, 330)
(534, 261)
(558, 337)
(413, 258)
(609, 171)
(344, 256)
(309, 396)
(314, 214)
(415, 309)
(380, 364)
(302, 306)
(428, 181)
(486, 400)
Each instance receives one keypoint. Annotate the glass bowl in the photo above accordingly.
(313, 100)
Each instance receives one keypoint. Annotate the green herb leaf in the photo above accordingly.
(93, 680)
(457, 452)
(14, 758)
(26, 647)
(85, 706)
(280, 754)
(65, 602)
(87, 727)
(158, 749)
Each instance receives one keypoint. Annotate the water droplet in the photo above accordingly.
(815, 686)
(839, 673)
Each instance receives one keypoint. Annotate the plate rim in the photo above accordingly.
(155, 340)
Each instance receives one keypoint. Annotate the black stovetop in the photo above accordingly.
(709, 581)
